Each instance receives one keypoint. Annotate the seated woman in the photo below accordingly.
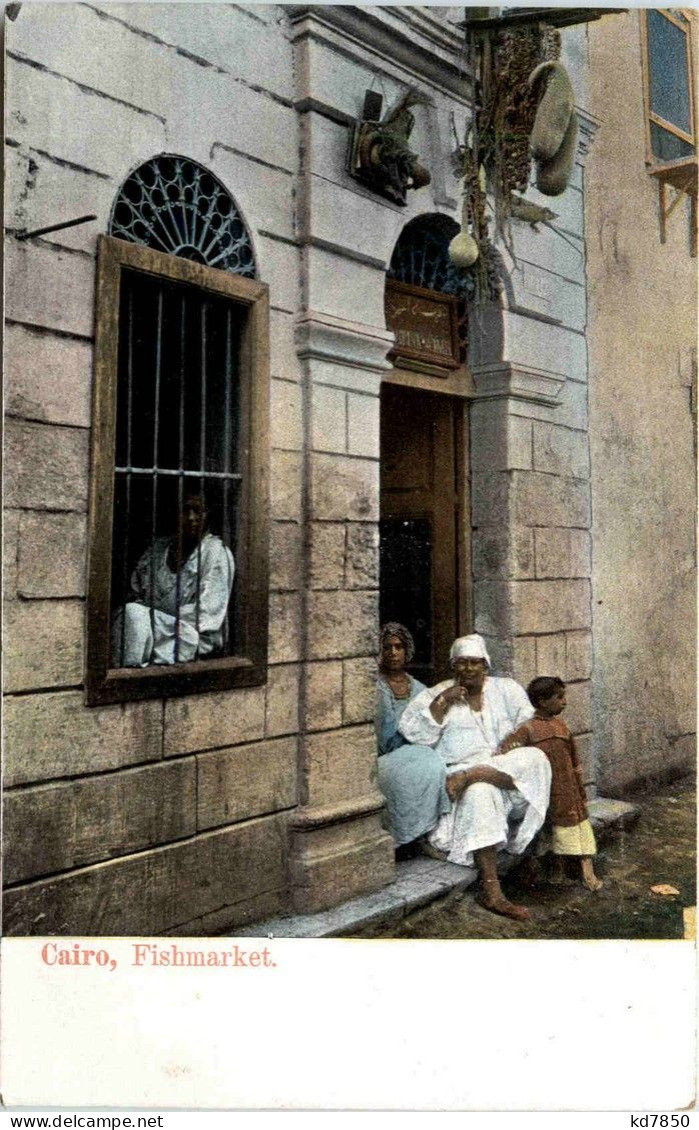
(411, 777)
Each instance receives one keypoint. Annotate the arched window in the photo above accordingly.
(429, 329)
(177, 595)
(174, 205)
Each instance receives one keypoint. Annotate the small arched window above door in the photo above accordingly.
(426, 297)
(177, 592)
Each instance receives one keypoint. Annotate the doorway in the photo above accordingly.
(424, 545)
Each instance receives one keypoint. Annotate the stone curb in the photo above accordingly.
(418, 882)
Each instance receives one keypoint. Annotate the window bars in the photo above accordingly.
(178, 409)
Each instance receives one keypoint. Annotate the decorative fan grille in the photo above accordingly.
(174, 205)
(421, 257)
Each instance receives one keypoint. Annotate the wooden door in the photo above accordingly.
(423, 531)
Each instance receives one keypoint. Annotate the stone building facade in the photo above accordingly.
(198, 813)
(642, 427)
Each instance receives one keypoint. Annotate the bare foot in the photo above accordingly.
(495, 901)
(456, 785)
(590, 880)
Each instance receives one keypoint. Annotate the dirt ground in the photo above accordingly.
(659, 848)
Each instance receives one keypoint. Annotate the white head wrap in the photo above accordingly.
(469, 647)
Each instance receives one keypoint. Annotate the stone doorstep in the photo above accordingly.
(418, 882)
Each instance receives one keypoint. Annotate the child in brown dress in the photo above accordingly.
(571, 831)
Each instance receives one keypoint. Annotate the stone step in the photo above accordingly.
(417, 883)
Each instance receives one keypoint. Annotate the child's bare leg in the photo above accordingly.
(589, 878)
(557, 875)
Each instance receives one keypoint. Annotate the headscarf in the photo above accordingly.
(393, 629)
(469, 647)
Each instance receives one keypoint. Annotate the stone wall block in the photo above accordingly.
(489, 498)
(282, 700)
(578, 655)
(583, 744)
(493, 607)
(342, 764)
(344, 288)
(578, 713)
(51, 555)
(362, 562)
(524, 666)
(571, 411)
(50, 287)
(285, 485)
(60, 827)
(560, 451)
(284, 627)
(43, 644)
(326, 868)
(45, 467)
(550, 294)
(47, 377)
(10, 552)
(551, 655)
(499, 441)
(550, 606)
(286, 426)
(366, 223)
(284, 362)
(545, 500)
(342, 624)
(207, 721)
(363, 426)
(502, 553)
(279, 263)
(344, 488)
(323, 695)
(55, 735)
(285, 556)
(327, 555)
(359, 690)
(329, 419)
(157, 890)
(42, 103)
(580, 553)
(253, 780)
(553, 553)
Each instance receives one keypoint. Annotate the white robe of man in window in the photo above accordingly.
(179, 596)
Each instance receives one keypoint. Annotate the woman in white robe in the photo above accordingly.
(499, 802)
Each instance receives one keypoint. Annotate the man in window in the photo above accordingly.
(179, 595)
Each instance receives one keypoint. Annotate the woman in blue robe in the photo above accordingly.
(411, 777)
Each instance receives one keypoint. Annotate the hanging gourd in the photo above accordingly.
(553, 177)
(463, 249)
(554, 136)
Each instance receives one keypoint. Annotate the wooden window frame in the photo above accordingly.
(650, 116)
(106, 684)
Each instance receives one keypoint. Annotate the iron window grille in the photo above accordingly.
(180, 410)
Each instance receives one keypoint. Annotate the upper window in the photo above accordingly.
(177, 597)
(669, 95)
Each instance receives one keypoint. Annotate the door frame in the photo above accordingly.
(459, 386)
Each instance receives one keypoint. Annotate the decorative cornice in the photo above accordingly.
(414, 39)
(509, 380)
(323, 337)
